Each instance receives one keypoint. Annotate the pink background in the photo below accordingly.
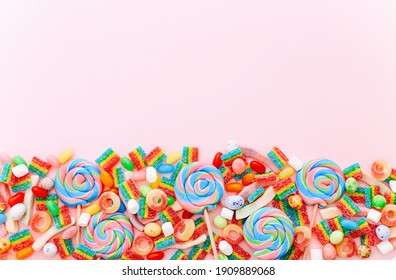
(316, 78)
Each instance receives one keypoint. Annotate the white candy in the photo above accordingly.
(34, 179)
(316, 254)
(133, 206)
(47, 183)
(128, 175)
(17, 211)
(296, 163)
(50, 249)
(84, 220)
(231, 145)
(225, 248)
(167, 229)
(20, 170)
(392, 185)
(176, 206)
(151, 174)
(330, 212)
(227, 213)
(385, 247)
(374, 215)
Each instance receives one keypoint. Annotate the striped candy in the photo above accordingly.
(190, 154)
(230, 156)
(41, 202)
(285, 188)
(197, 253)
(155, 157)
(20, 184)
(137, 157)
(266, 179)
(118, 176)
(354, 171)
(167, 186)
(226, 173)
(322, 232)
(169, 215)
(5, 174)
(179, 166)
(3, 204)
(200, 228)
(162, 242)
(392, 176)
(39, 167)
(363, 228)
(238, 253)
(277, 157)
(179, 256)
(65, 247)
(83, 252)
(347, 206)
(108, 159)
(63, 219)
(293, 254)
(299, 217)
(128, 190)
(21, 240)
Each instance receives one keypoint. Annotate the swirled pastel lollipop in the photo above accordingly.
(199, 186)
(270, 232)
(78, 183)
(320, 182)
(110, 235)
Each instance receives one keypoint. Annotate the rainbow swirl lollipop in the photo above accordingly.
(270, 232)
(110, 235)
(320, 182)
(199, 186)
(78, 183)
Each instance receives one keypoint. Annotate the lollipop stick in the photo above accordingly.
(313, 218)
(212, 242)
(78, 227)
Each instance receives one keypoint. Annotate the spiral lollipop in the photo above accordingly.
(320, 182)
(199, 187)
(78, 183)
(270, 232)
(110, 235)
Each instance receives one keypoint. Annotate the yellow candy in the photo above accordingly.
(65, 156)
(92, 209)
(286, 173)
(156, 183)
(172, 158)
(152, 229)
(4, 245)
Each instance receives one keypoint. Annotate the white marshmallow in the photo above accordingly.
(128, 175)
(316, 254)
(374, 215)
(225, 248)
(17, 211)
(34, 179)
(385, 247)
(392, 185)
(151, 174)
(20, 170)
(133, 206)
(167, 229)
(50, 250)
(296, 163)
(231, 145)
(84, 220)
(227, 213)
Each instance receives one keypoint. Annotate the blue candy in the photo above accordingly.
(349, 224)
(165, 168)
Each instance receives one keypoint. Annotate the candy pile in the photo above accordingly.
(149, 205)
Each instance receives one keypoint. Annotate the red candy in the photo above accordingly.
(40, 192)
(257, 167)
(158, 255)
(16, 198)
(217, 162)
(186, 215)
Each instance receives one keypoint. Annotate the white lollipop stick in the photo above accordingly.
(210, 232)
(78, 214)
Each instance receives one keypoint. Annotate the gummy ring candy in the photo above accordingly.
(388, 217)
(381, 170)
(109, 202)
(346, 248)
(41, 221)
(157, 200)
(143, 245)
(184, 229)
(233, 234)
(302, 236)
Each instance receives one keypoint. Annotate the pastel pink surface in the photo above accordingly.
(315, 78)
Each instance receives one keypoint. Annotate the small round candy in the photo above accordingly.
(351, 185)
(364, 251)
(47, 183)
(234, 202)
(50, 249)
(17, 211)
(347, 248)
(41, 221)
(381, 170)
(109, 202)
(143, 245)
(239, 166)
(152, 229)
(4, 245)
(302, 236)
(336, 237)
(383, 232)
(329, 252)
(144, 190)
(184, 229)
(379, 201)
(233, 234)
(171, 201)
(220, 222)
(157, 200)
(388, 217)
(295, 201)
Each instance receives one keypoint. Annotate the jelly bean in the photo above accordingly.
(40, 192)
(336, 237)
(222, 257)
(257, 167)
(106, 179)
(92, 209)
(158, 255)
(152, 229)
(5, 245)
(349, 224)
(127, 163)
(379, 201)
(19, 160)
(329, 252)
(234, 202)
(171, 201)
(151, 174)
(122, 207)
(65, 156)
(187, 215)
(173, 158)
(248, 179)
(220, 222)
(285, 173)
(52, 207)
(239, 166)
(17, 211)
(234, 187)
(165, 168)
(144, 190)
(16, 198)
(70, 232)
(51, 159)
(351, 185)
(217, 162)
(24, 253)
(3, 218)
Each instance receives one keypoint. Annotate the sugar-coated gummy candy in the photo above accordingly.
(184, 229)
(233, 234)
(351, 185)
(4, 245)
